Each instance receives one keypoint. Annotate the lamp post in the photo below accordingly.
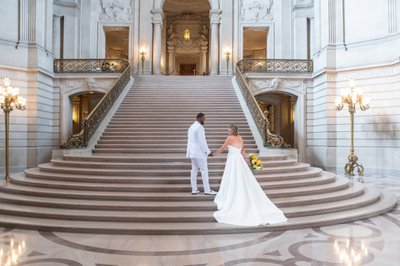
(227, 57)
(142, 53)
(9, 99)
(352, 97)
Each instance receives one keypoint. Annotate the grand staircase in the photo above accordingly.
(137, 180)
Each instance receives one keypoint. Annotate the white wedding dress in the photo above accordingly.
(240, 199)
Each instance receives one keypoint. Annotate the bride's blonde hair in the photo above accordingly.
(234, 128)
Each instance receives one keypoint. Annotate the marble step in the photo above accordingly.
(37, 174)
(221, 130)
(155, 158)
(386, 202)
(168, 134)
(65, 192)
(199, 202)
(166, 145)
(158, 165)
(161, 141)
(161, 187)
(177, 216)
(48, 167)
(191, 117)
(173, 123)
(135, 151)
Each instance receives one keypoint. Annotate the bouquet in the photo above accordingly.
(255, 163)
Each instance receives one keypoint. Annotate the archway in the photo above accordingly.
(190, 33)
(81, 106)
(295, 112)
(279, 109)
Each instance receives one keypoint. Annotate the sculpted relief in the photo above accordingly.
(116, 10)
(256, 11)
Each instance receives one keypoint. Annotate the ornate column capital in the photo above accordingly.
(215, 16)
(157, 16)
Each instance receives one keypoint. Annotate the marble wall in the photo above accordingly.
(349, 43)
(26, 58)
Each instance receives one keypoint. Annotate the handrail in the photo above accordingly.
(90, 65)
(96, 116)
(275, 65)
(263, 125)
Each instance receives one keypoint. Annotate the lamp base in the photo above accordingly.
(352, 165)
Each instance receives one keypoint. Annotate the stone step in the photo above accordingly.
(160, 187)
(172, 123)
(158, 165)
(312, 173)
(185, 203)
(133, 141)
(153, 137)
(148, 150)
(64, 192)
(48, 167)
(385, 203)
(165, 145)
(155, 158)
(176, 216)
(89, 193)
(170, 134)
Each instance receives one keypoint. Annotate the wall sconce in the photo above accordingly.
(9, 99)
(352, 97)
(142, 53)
(227, 53)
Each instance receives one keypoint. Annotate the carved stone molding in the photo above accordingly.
(116, 10)
(215, 16)
(85, 85)
(256, 11)
(294, 86)
(157, 16)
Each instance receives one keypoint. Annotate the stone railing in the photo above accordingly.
(90, 65)
(93, 120)
(275, 65)
(263, 125)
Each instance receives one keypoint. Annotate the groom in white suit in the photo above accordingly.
(198, 151)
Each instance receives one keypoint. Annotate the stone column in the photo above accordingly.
(203, 60)
(171, 59)
(157, 39)
(215, 18)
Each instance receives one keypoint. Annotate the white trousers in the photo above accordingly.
(202, 165)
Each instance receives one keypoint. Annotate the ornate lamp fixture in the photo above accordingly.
(9, 99)
(352, 97)
(227, 57)
(142, 53)
(186, 34)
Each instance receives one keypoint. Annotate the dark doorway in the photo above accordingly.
(187, 69)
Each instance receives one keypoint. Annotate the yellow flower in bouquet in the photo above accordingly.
(255, 162)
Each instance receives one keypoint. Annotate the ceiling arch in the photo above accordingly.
(213, 4)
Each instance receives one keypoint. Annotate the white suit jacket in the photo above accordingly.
(197, 144)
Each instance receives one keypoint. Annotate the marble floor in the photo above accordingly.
(374, 241)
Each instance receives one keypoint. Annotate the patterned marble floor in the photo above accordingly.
(374, 241)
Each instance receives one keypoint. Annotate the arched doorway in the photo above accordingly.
(191, 13)
(82, 104)
(280, 111)
(186, 37)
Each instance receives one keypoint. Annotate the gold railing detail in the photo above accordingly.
(275, 65)
(92, 122)
(90, 65)
(253, 65)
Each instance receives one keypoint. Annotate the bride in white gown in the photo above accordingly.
(240, 199)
